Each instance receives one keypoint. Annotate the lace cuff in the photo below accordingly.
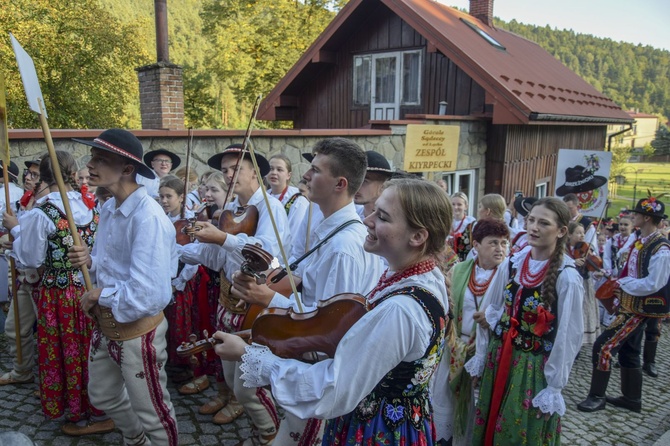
(475, 366)
(256, 366)
(550, 401)
(492, 316)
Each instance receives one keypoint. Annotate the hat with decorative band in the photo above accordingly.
(580, 179)
(149, 157)
(650, 206)
(377, 163)
(13, 170)
(523, 204)
(234, 149)
(123, 143)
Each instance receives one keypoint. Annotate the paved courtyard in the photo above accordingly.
(20, 411)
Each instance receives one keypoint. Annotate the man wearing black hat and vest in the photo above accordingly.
(133, 260)
(644, 295)
(378, 171)
(222, 252)
(162, 162)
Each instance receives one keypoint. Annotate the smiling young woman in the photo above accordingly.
(536, 332)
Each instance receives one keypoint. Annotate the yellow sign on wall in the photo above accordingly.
(431, 148)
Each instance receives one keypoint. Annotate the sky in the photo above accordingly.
(645, 22)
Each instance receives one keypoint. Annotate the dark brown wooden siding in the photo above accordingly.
(518, 156)
(325, 100)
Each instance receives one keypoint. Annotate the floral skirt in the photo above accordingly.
(63, 341)
(517, 423)
(350, 430)
(180, 323)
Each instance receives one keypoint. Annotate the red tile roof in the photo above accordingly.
(524, 82)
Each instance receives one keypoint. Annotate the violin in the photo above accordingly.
(608, 293)
(244, 219)
(592, 262)
(301, 336)
(184, 226)
(257, 262)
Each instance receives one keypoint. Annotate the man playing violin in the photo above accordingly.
(338, 266)
(644, 295)
(222, 251)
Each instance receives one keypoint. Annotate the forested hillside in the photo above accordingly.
(86, 52)
(634, 76)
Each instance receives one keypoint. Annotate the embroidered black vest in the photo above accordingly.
(530, 301)
(402, 395)
(289, 203)
(656, 304)
(58, 269)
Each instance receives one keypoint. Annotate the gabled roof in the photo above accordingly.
(524, 82)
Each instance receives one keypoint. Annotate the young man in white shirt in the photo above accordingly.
(133, 260)
(340, 265)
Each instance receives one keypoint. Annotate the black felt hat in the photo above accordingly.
(580, 179)
(234, 149)
(523, 204)
(149, 157)
(13, 170)
(29, 163)
(650, 206)
(377, 163)
(122, 143)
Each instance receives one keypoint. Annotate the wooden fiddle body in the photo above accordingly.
(301, 336)
(257, 263)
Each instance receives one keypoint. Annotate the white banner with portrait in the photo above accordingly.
(584, 173)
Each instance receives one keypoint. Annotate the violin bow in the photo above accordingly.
(600, 219)
(267, 203)
(189, 142)
(5, 157)
(36, 103)
(245, 142)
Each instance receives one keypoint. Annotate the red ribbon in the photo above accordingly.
(543, 323)
(87, 197)
(501, 381)
(25, 199)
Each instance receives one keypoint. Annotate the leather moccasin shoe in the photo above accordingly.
(196, 386)
(90, 428)
(8, 378)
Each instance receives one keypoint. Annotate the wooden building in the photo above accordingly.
(391, 62)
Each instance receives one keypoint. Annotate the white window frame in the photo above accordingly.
(542, 188)
(400, 69)
(453, 180)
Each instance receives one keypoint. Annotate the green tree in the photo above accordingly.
(661, 142)
(257, 41)
(84, 60)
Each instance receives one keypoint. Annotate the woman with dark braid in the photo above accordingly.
(43, 239)
(537, 330)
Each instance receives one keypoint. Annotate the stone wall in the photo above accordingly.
(27, 145)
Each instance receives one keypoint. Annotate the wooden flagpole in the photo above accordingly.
(5, 158)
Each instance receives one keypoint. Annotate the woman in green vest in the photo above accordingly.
(471, 285)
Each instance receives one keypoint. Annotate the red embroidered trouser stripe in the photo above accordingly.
(621, 333)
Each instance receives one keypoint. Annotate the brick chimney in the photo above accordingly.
(161, 84)
(482, 10)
